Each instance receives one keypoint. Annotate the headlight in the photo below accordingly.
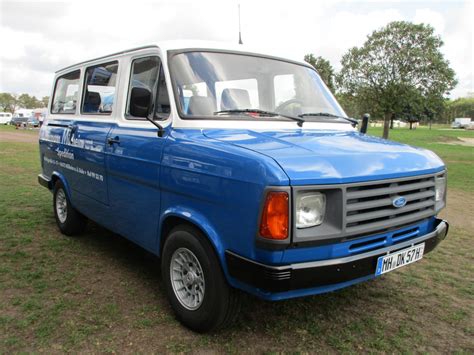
(440, 188)
(310, 209)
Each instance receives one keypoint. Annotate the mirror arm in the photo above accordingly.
(157, 125)
(161, 130)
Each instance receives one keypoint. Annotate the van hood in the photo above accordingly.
(330, 157)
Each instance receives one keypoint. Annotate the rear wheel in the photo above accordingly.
(195, 284)
(68, 219)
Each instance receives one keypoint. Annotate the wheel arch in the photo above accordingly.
(57, 176)
(175, 217)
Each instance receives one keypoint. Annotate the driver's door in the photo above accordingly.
(134, 153)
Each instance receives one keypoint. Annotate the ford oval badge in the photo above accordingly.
(399, 202)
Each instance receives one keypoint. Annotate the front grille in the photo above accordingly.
(369, 205)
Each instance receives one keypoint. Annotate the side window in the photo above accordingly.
(148, 73)
(65, 93)
(99, 91)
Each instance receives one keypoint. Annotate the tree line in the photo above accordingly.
(12, 102)
(398, 73)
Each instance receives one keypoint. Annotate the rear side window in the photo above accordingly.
(66, 93)
(147, 73)
(99, 91)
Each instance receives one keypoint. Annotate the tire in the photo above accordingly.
(219, 302)
(68, 219)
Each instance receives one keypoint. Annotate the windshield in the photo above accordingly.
(208, 83)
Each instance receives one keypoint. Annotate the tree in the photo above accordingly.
(45, 101)
(27, 101)
(324, 69)
(399, 65)
(462, 107)
(8, 102)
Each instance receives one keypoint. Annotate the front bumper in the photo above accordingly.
(284, 278)
(44, 181)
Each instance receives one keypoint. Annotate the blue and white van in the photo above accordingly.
(239, 170)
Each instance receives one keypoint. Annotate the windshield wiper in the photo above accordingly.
(262, 112)
(327, 114)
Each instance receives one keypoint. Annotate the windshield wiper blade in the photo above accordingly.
(262, 112)
(327, 114)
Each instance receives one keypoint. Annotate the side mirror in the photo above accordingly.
(365, 123)
(140, 102)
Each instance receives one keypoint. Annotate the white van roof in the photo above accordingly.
(173, 45)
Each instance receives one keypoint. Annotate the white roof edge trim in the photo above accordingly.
(106, 56)
(166, 46)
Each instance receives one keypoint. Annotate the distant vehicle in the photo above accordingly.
(33, 122)
(5, 117)
(398, 123)
(21, 116)
(19, 120)
(461, 123)
(24, 112)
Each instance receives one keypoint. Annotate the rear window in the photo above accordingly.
(99, 91)
(66, 93)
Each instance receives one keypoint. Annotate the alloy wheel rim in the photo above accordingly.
(187, 278)
(61, 205)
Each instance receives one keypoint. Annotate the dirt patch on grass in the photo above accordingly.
(468, 142)
(19, 136)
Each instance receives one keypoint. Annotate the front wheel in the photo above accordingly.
(68, 219)
(195, 284)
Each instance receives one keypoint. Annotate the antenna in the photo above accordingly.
(240, 35)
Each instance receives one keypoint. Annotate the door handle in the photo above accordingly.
(114, 140)
(72, 129)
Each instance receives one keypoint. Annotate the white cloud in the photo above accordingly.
(431, 17)
(40, 37)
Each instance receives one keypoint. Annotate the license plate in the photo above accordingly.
(401, 258)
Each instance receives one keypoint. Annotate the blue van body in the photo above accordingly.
(216, 182)
(139, 185)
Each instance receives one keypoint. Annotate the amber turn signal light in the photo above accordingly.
(275, 216)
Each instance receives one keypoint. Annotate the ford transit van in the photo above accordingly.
(239, 170)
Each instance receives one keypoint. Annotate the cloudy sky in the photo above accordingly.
(40, 37)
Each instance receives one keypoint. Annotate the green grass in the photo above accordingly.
(100, 293)
(458, 158)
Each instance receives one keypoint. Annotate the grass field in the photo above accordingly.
(100, 293)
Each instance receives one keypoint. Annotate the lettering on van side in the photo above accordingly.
(68, 140)
(48, 136)
(86, 144)
(66, 154)
(76, 169)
